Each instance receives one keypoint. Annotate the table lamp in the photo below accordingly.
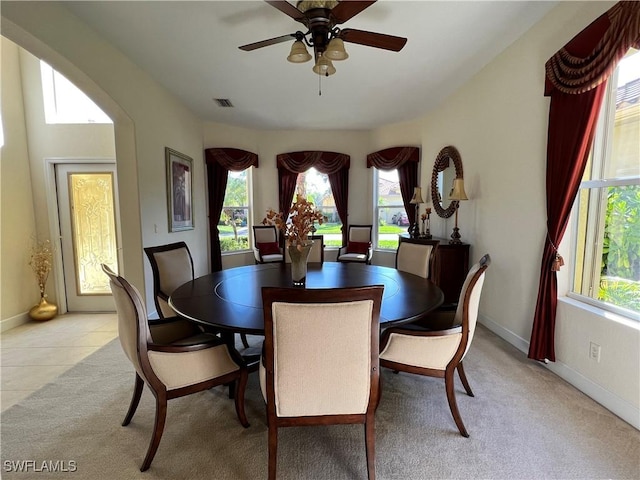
(458, 194)
(414, 230)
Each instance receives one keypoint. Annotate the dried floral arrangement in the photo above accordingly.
(41, 263)
(302, 216)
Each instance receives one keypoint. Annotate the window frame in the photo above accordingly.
(250, 214)
(375, 234)
(589, 257)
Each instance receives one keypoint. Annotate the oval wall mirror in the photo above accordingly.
(447, 167)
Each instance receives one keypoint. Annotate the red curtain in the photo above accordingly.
(334, 165)
(219, 162)
(576, 81)
(405, 160)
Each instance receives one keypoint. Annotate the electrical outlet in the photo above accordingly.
(594, 351)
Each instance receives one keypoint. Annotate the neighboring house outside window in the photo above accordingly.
(607, 263)
(390, 212)
(235, 218)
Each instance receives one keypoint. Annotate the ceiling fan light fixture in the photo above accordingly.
(335, 50)
(324, 67)
(304, 5)
(299, 53)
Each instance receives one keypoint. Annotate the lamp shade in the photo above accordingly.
(457, 192)
(335, 50)
(417, 196)
(299, 53)
(324, 67)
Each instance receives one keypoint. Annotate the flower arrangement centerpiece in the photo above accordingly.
(297, 226)
(301, 219)
(41, 263)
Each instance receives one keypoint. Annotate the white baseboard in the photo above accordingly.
(12, 322)
(604, 397)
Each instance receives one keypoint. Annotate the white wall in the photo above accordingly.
(18, 288)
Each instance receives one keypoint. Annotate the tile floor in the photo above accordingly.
(35, 353)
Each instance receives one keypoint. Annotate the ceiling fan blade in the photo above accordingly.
(287, 9)
(346, 10)
(266, 43)
(371, 39)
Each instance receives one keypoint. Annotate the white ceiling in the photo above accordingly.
(192, 49)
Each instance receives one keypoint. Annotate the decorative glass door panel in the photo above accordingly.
(87, 208)
(94, 230)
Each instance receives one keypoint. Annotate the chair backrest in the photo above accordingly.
(360, 233)
(133, 329)
(469, 301)
(264, 234)
(416, 258)
(316, 255)
(321, 350)
(172, 266)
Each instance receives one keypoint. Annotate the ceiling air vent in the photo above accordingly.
(223, 102)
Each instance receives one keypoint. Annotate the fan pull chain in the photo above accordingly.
(319, 85)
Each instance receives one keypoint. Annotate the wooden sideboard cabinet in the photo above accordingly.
(450, 267)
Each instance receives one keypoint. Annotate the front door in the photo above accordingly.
(87, 212)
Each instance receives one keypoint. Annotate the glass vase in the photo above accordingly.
(299, 255)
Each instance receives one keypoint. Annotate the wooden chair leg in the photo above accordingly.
(243, 338)
(370, 446)
(273, 451)
(241, 386)
(463, 379)
(453, 406)
(158, 428)
(135, 400)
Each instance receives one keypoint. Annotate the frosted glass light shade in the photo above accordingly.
(299, 53)
(324, 67)
(335, 50)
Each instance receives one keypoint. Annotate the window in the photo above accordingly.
(607, 266)
(64, 102)
(390, 212)
(315, 187)
(234, 225)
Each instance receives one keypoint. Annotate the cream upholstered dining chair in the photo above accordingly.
(439, 353)
(266, 248)
(316, 254)
(320, 360)
(358, 247)
(172, 266)
(170, 371)
(417, 258)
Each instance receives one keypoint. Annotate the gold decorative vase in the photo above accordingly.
(43, 311)
(299, 255)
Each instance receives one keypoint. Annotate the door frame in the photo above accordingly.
(54, 219)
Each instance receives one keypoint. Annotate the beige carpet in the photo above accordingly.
(524, 423)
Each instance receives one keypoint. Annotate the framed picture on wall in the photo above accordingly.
(179, 191)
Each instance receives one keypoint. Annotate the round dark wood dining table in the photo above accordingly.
(232, 299)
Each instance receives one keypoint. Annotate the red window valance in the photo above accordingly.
(232, 159)
(324, 162)
(392, 158)
(587, 66)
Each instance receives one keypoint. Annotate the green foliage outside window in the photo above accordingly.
(620, 279)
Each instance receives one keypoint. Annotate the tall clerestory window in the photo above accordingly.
(66, 103)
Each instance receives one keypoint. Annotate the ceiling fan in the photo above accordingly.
(327, 40)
